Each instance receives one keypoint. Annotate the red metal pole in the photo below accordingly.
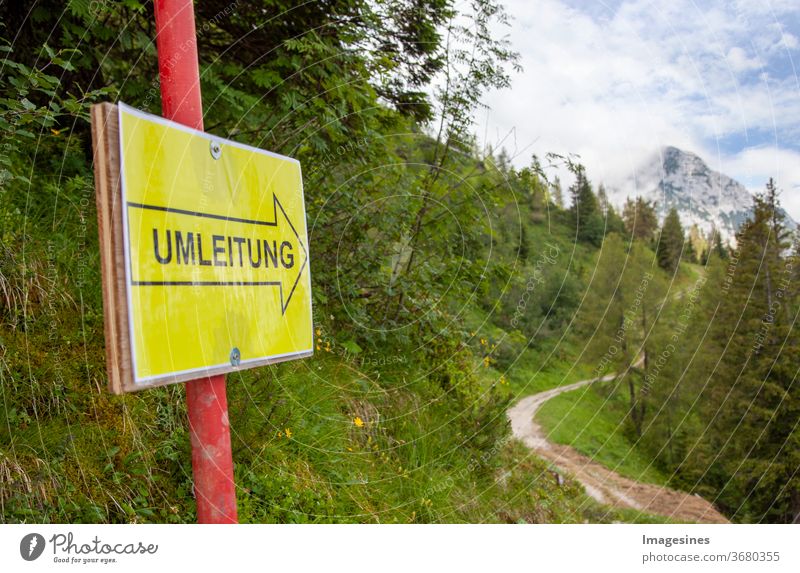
(212, 461)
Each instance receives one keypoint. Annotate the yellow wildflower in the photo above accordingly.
(358, 422)
(288, 432)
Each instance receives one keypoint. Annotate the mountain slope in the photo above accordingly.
(702, 196)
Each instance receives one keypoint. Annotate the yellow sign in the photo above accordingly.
(216, 252)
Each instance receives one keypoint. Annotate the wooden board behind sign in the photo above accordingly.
(105, 141)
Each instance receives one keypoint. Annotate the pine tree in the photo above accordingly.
(689, 254)
(503, 161)
(640, 218)
(614, 223)
(585, 210)
(670, 242)
(602, 199)
(719, 248)
(751, 447)
(698, 241)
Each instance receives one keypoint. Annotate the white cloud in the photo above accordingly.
(754, 166)
(741, 62)
(789, 41)
(614, 86)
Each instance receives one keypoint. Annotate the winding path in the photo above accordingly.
(601, 483)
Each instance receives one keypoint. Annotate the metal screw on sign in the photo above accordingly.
(216, 149)
(236, 357)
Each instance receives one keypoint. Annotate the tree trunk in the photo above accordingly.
(634, 403)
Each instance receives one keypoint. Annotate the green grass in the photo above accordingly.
(326, 439)
(591, 421)
(429, 449)
(300, 456)
(535, 373)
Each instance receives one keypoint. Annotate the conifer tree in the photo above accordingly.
(689, 254)
(602, 199)
(640, 218)
(585, 211)
(718, 247)
(503, 161)
(670, 242)
(752, 455)
(614, 223)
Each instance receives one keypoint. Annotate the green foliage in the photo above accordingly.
(688, 253)
(670, 242)
(446, 282)
(746, 441)
(613, 222)
(585, 211)
(624, 302)
(713, 403)
(399, 417)
(641, 221)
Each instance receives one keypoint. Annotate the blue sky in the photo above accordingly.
(615, 81)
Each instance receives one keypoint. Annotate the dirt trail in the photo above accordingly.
(601, 483)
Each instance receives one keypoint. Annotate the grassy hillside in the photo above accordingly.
(381, 434)
(323, 440)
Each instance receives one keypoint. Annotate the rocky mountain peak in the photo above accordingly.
(681, 179)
